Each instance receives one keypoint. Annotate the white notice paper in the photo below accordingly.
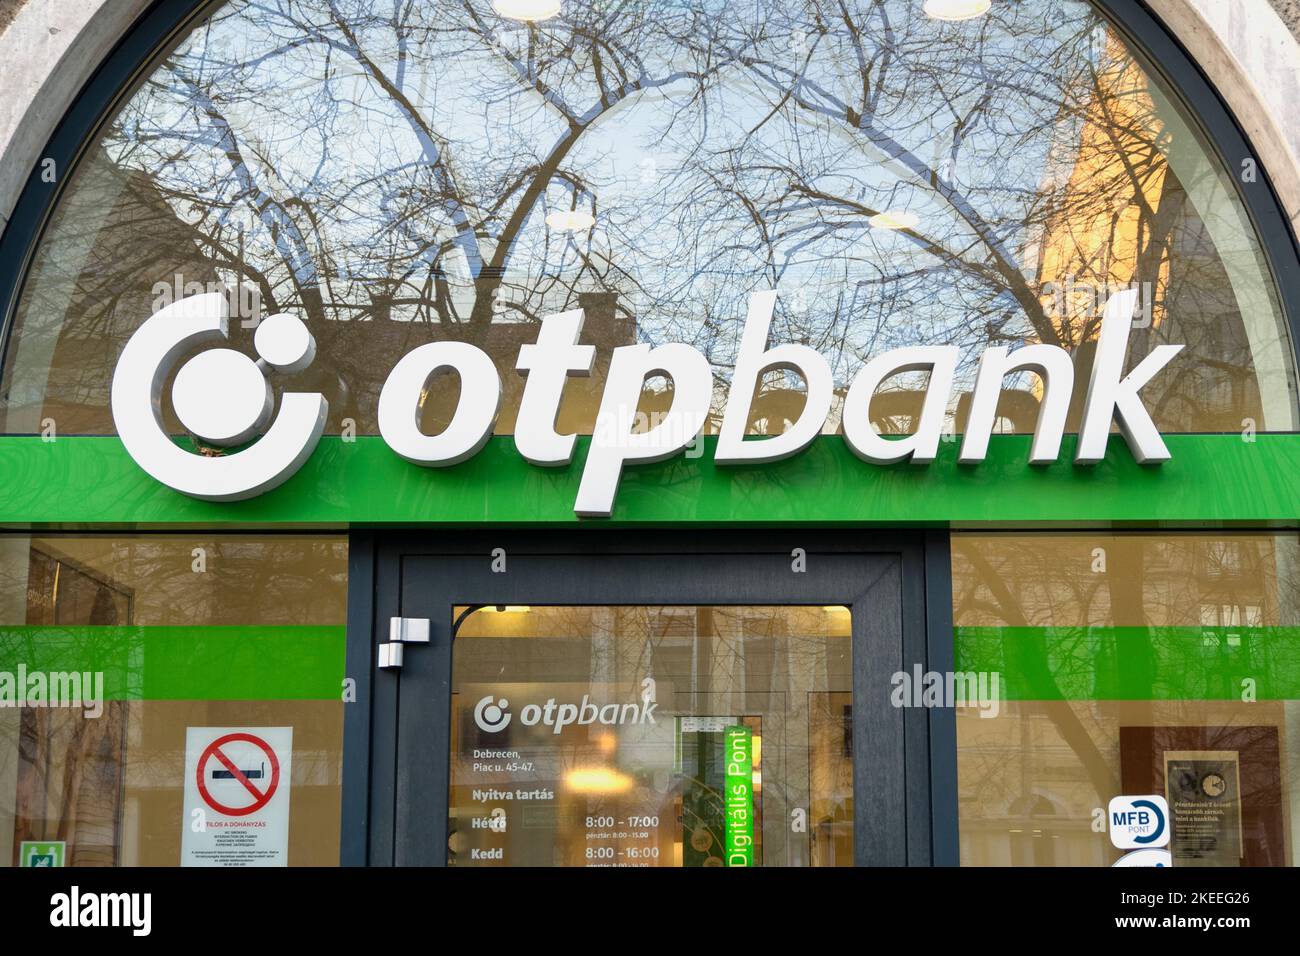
(236, 796)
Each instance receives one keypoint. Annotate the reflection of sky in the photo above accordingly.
(675, 180)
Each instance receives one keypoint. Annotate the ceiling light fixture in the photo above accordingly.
(597, 780)
(956, 10)
(570, 220)
(527, 10)
(894, 219)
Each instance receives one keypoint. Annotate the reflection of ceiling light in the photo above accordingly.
(956, 9)
(894, 219)
(570, 220)
(507, 609)
(526, 9)
(597, 780)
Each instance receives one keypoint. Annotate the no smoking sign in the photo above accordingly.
(239, 762)
(237, 788)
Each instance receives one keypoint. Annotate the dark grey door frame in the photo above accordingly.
(396, 750)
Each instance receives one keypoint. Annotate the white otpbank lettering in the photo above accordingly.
(547, 366)
(492, 713)
(615, 441)
(224, 398)
(754, 359)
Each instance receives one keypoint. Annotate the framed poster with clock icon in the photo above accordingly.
(1203, 789)
(1224, 789)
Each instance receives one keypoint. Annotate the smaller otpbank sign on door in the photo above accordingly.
(492, 714)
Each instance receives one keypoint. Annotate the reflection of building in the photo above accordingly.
(1119, 216)
(362, 352)
(68, 780)
(113, 240)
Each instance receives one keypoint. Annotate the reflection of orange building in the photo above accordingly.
(1100, 231)
(1105, 223)
(1117, 215)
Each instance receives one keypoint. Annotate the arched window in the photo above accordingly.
(405, 173)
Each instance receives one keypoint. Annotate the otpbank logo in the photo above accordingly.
(225, 398)
(222, 396)
(492, 714)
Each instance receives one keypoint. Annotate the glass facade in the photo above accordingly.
(113, 647)
(1126, 662)
(435, 171)
(447, 173)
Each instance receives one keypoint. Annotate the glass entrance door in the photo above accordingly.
(635, 735)
(644, 706)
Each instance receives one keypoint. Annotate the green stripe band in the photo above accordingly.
(1034, 663)
(1212, 479)
(228, 662)
(1135, 663)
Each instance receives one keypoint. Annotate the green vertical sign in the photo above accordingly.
(738, 795)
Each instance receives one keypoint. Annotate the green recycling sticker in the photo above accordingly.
(31, 853)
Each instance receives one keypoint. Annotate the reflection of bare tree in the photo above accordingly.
(70, 769)
(395, 173)
(1033, 663)
(1117, 630)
